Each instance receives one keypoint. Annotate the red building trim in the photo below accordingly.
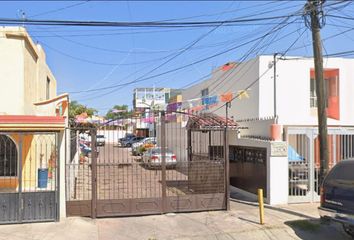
(28, 119)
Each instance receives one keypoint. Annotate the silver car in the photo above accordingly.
(152, 158)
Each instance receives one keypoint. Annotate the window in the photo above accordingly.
(313, 95)
(8, 157)
(331, 78)
(205, 92)
(47, 94)
(343, 171)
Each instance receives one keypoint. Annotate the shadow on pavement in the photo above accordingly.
(240, 197)
(314, 229)
(248, 220)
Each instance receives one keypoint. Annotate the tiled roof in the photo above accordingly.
(210, 121)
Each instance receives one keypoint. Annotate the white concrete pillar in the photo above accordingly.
(62, 157)
(277, 182)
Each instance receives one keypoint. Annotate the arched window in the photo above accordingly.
(8, 157)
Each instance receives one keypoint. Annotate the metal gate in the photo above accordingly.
(304, 159)
(28, 177)
(172, 170)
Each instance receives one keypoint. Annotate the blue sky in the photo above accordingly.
(84, 58)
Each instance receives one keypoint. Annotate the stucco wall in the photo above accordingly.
(23, 74)
(233, 80)
(277, 170)
(293, 91)
(11, 75)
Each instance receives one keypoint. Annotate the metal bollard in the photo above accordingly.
(261, 206)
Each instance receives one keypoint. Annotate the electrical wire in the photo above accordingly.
(253, 49)
(128, 83)
(257, 79)
(59, 9)
(135, 24)
(176, 69)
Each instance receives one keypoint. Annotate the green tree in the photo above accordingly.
(118, 111)
(76, 108)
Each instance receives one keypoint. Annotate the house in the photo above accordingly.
(286, 108)
(147, 99)
(33, 119)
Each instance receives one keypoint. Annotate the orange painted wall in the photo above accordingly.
(332, 81)
(34, 148)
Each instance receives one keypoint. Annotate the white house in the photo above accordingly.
(33, 119)
(292, 105)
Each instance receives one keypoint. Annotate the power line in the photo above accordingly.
(225, 75)
(176, 69)
(119, 51)
(186, 48)
(128, 83)
(253, 49)
(341, 17)
(234, 40)
(256, 80)
(134, 24)
(245, 37)
(59, 9)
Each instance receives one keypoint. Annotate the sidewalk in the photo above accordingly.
(241, 222)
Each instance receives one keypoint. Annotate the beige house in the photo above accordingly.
(32, 132)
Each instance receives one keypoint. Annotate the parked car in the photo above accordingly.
(100, 140)
(139, 147)
(127, 137)
(153, 158)
(130, 141)
(337, 195)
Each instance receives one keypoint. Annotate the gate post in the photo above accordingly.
(93, 173)
(20, 166)
(311, 167)
(226, 168)
(58, 171)
(163, 165)
(226, 159)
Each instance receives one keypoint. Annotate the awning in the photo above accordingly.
(29, 122)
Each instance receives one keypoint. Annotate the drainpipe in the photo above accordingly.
(275, 86)
(275, 129)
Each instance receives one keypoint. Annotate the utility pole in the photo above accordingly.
(314, 8)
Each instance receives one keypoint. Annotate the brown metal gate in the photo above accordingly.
(29, 179)
(175, 169)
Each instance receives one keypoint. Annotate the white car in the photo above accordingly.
(144, 141)
(86, 139)
(153, 158)
(137, 145)
(100, 140)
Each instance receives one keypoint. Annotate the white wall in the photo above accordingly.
(277, 170)
(293, 91)
(256, 127)
(62, 166)
(234, 80)
(112, 136)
